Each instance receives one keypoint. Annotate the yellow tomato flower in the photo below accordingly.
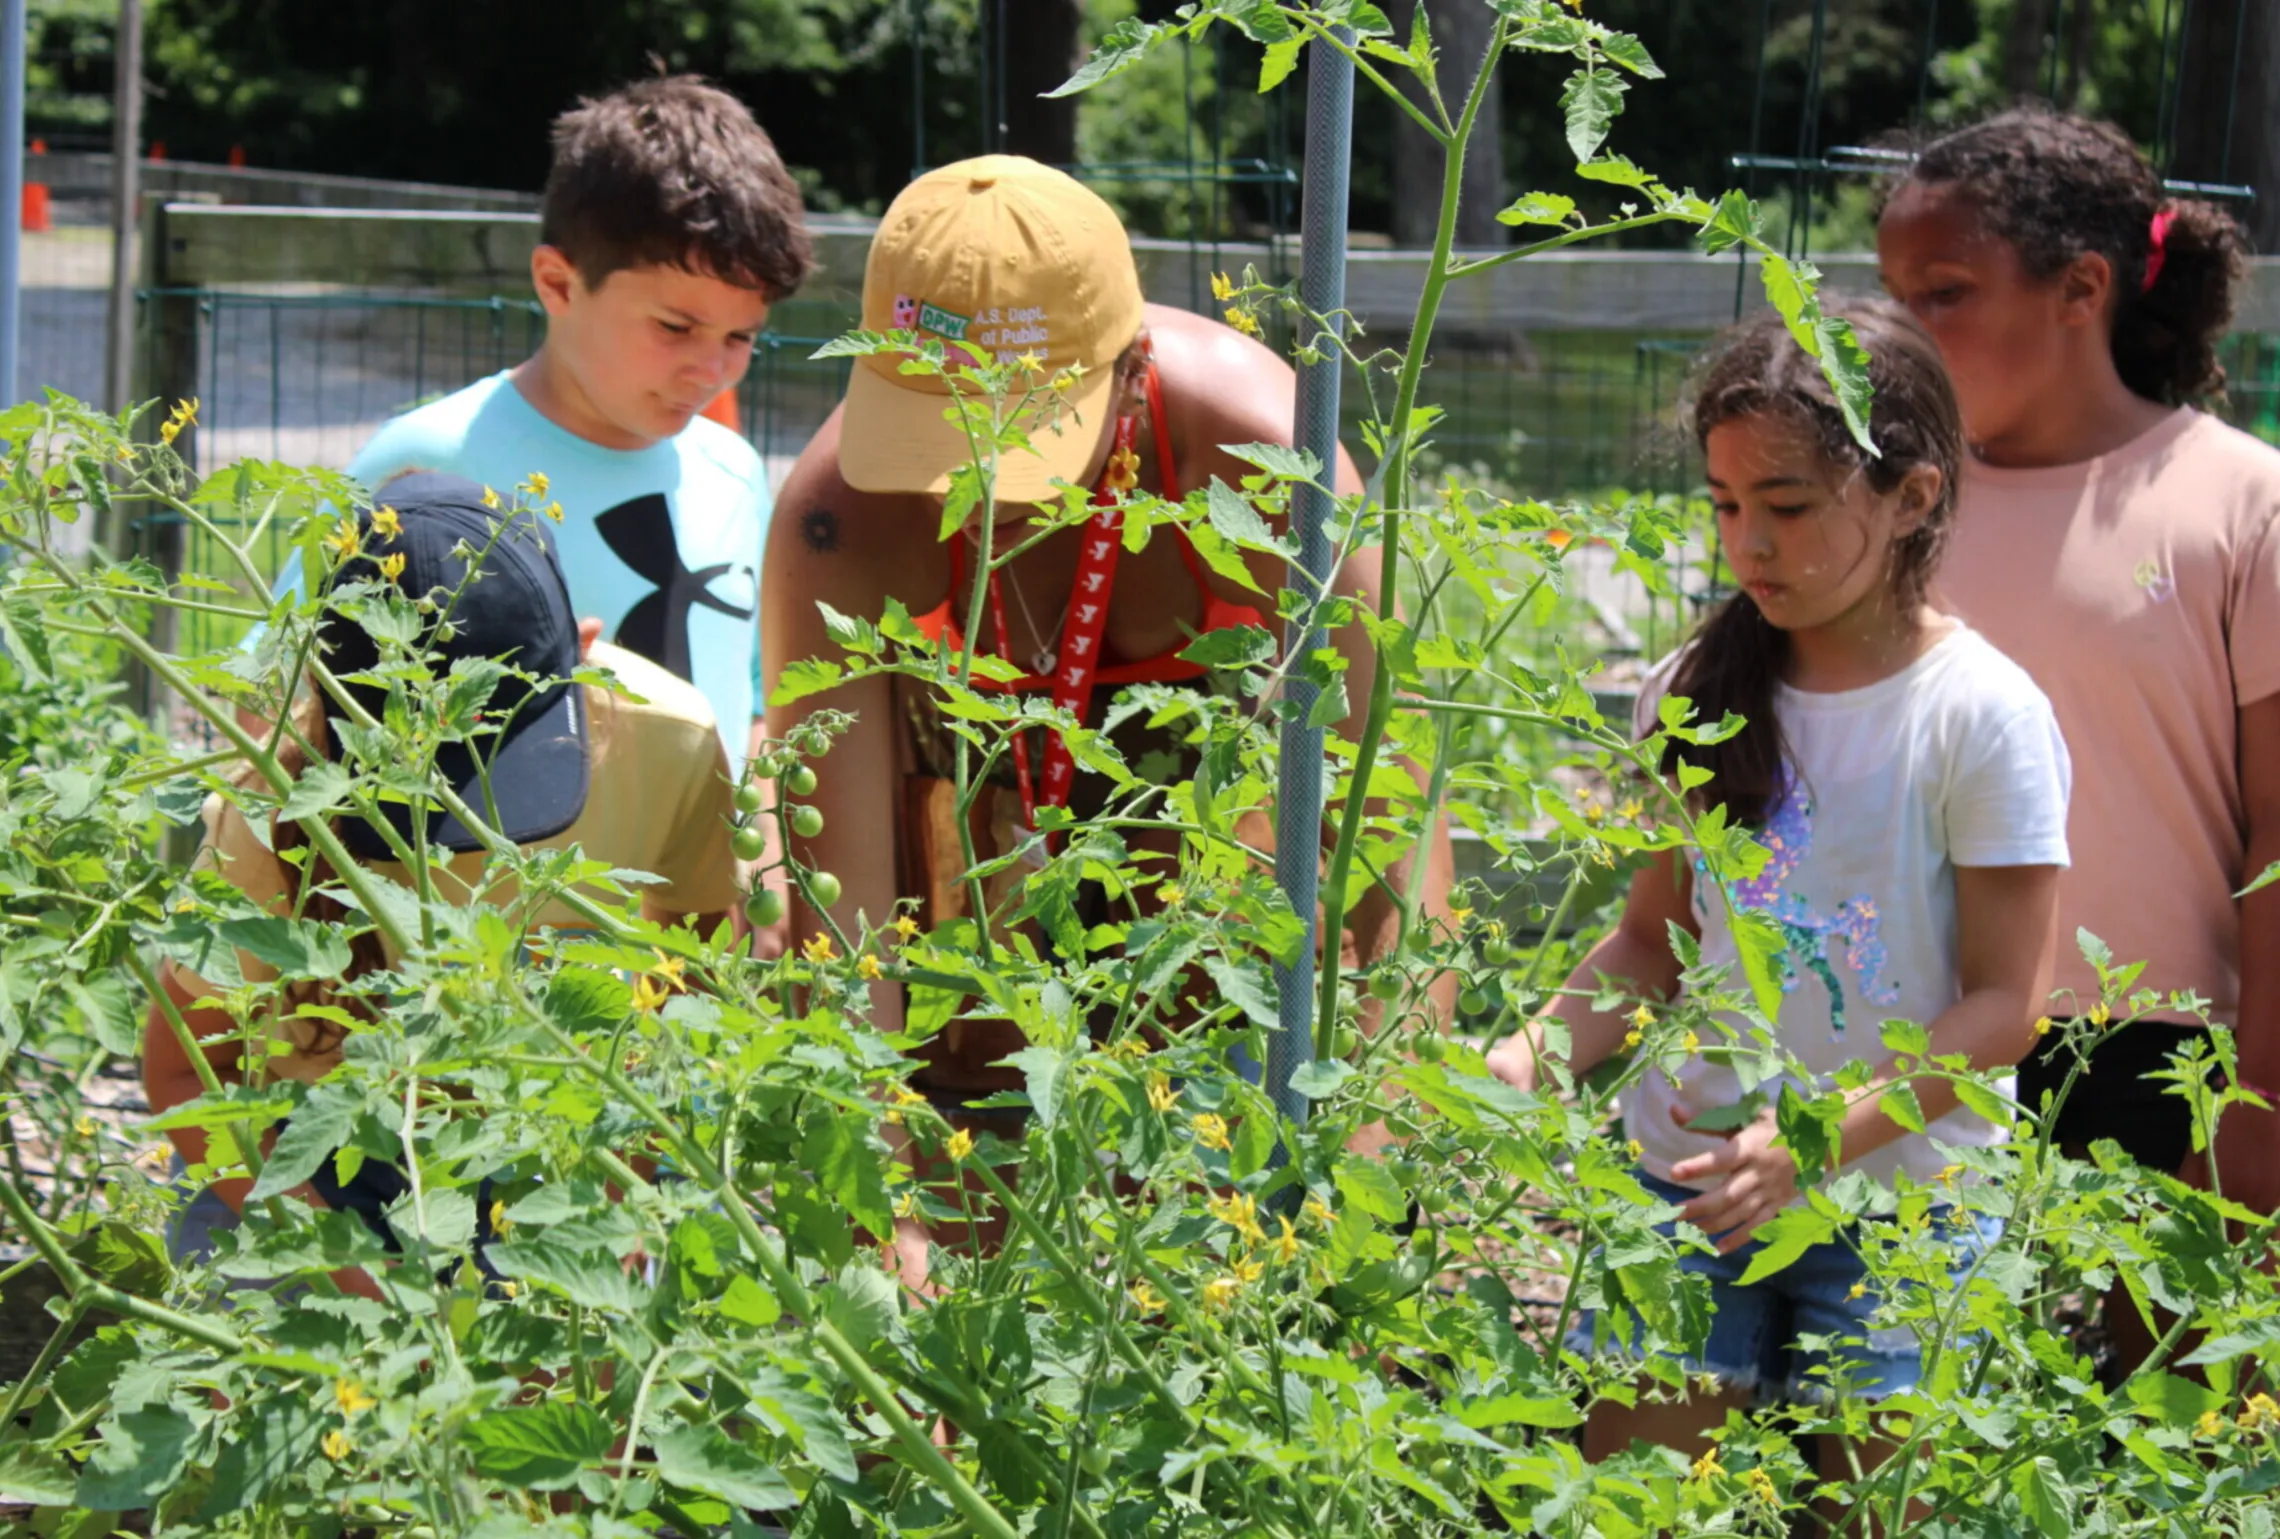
(1319, 1211)
(344, 540)
(2210, 1425)
(336, 1445)
(1146, 1299)
(2260, 1413)
(903, 1095)
(1221, 1292)
(350, 1396)
(510, 1289)
(1222, 287)
(668, 968)
(961, 1144)
(1691, 1043)
(1286, 1245)
(906, 1206)
(906, 927)
(1632, 1149)
(1761, 1486)
(386, 523)
(649, 995)
(554, 511)
(1161, 1095)
(1124, 470)
(818, 949)
(1642, 1017)
(2042, 1025)
(501, 1225)
(1243, 321)
(185, 414)
(1250, 1271)
(538, 483)
(490, 499)
(1633, 1037)
(1707, 1467)
(1171, 893)
(1130, 1048)
(1238, 1212)
(867, 966)
(1030, 362)
(2099, 1014)
(1858, 1290)
(392, 567)
(1211, 1131)
(1630, 810)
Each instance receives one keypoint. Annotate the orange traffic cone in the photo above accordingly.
(237, 157)
(158, 149)
(723, 410)
(38, 217)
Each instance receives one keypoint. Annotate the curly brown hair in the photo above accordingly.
(2055, 186)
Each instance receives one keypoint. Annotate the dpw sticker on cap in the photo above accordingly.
(942, 322)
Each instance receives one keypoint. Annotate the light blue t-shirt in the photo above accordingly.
(661, 544)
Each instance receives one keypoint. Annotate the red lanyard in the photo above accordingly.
(1078, 658)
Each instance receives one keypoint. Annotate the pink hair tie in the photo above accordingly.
(2157, 251)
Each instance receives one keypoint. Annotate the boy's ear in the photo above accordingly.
(555, 278)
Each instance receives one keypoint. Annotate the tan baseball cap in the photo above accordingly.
(1010, 256)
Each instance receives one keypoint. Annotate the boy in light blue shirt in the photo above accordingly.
(669, 228)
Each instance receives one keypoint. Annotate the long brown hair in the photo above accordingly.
(1737, 659)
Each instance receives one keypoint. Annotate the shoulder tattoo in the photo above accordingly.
(820, 528)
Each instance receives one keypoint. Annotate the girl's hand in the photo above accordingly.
(1760, 1180)
(1514, 1061)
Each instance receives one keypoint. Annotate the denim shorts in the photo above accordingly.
(1754, 1343)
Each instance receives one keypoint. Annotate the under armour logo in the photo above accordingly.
(640, 533)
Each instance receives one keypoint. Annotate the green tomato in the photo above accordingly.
(800, 780)
(1096, 1459)
(1443, 1470)
(748, 798)
(1429, 1047)
(1473, 1002)
(807, 822)
(749, 843)
(824, 888)
(1343, 1041)
(764, 908)
(1386, 986)
(763, 769)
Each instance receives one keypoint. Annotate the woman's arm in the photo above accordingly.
(1636, 952)
(2006, 920)
(170, 1078)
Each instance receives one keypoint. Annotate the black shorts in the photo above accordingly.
(2114, 1098)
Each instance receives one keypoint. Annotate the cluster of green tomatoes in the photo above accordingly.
(785, 764)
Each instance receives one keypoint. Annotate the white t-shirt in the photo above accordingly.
(1954, 761)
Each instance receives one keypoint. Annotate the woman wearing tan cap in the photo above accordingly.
(1015, 257)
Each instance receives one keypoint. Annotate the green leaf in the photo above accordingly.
(1844, 363)
(1730, 1118)
(32, 1477)
(837, 1153)
(808, 676)
(1539, 208)
(1370, 1187)
(297, 948)
(129, 1259)
(1733, 220)
(1319, 1080)
(1616, 170)
(2270, 875)
(1236, 520)
(2043, 1493)
(282, 1437)
(705, 1459)
(2168, 1398)
(1232, 646)
(142, 1455)
(1632, 54)
(318, 1126)
(592, 1277)
(539, 1447)
(1278, 460)
(748, 1302)
(1758, 942)
(1592, 99)
(1245, 983)
(1126, 44)
(26, 640)
(1278, 61)
(1785, 1237)
(1899, 1103)
(1985, 1102)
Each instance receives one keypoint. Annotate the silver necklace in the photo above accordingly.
(1047, 657)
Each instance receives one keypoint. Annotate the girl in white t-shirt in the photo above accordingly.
(1911, 785)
